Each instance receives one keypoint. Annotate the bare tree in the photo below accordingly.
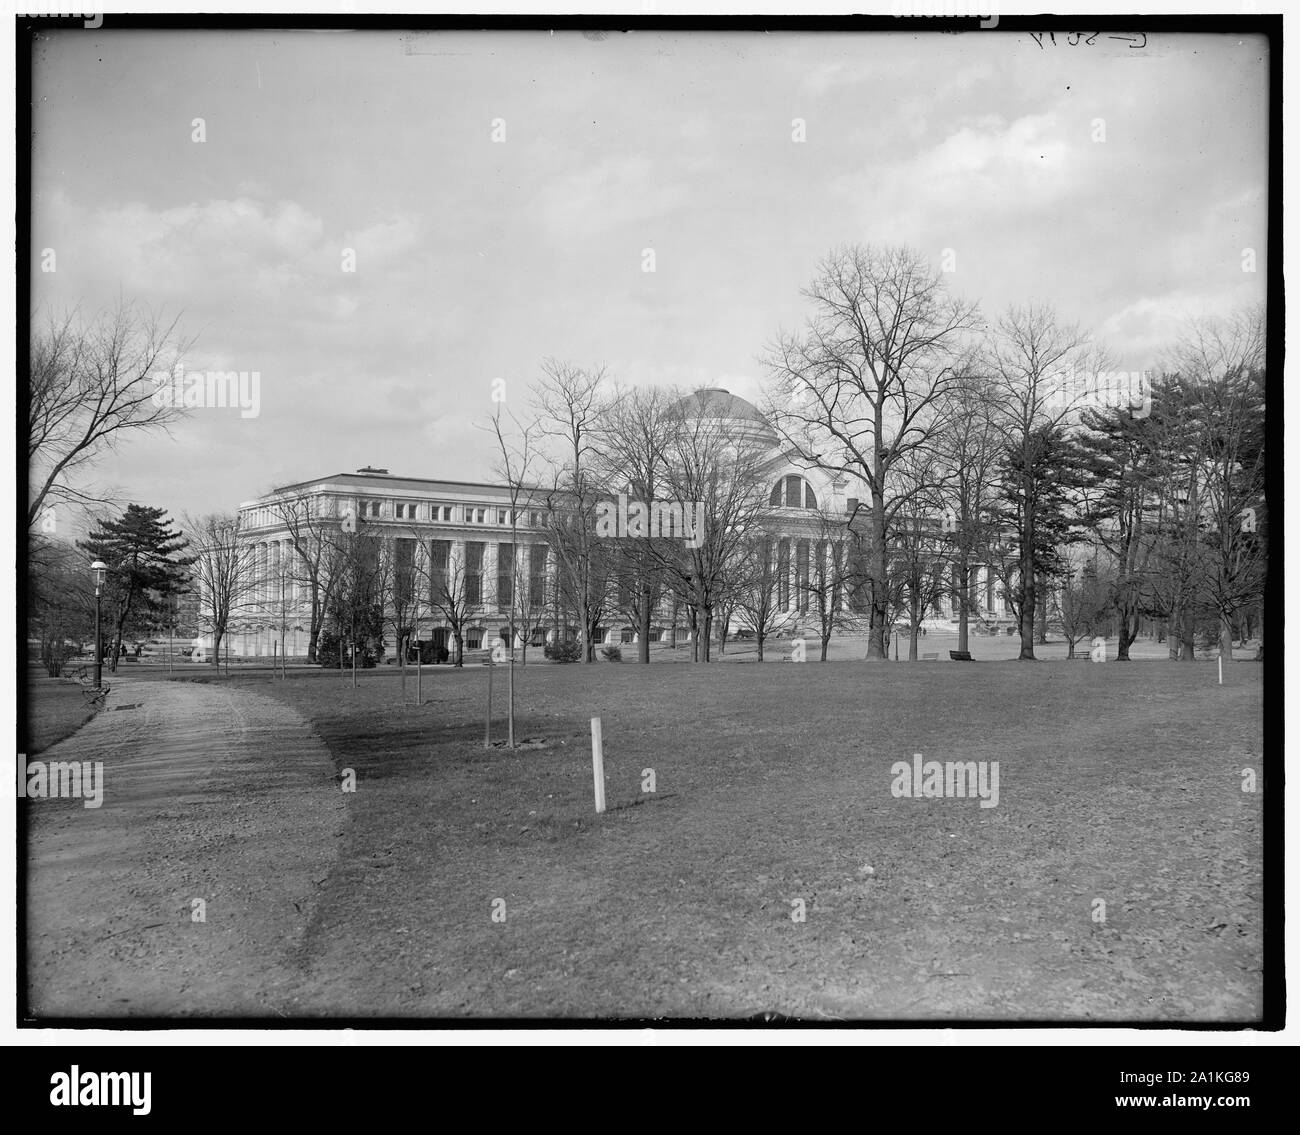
(224, 574)
(721, 479)
(1082, 601)
(60, 600)
(360, 565)
(921, 552)
(314, 527)
(1036, 364)
(634, 455)
(858, 389)
(515, 463)
(571, 404)
(831, 578)
(89, 387)
(966, 457)
(755, 588)
(443, 574)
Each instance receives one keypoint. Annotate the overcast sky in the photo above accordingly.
(476, 259)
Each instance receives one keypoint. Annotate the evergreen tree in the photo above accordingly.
(1122, 473)
(146, 568)
(1038, 485)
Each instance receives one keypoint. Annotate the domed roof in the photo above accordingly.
(721, 404)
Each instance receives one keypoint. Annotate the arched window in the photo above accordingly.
(793, 491)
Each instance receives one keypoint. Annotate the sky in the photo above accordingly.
(499, 191)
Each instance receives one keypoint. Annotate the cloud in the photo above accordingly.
(608, 195)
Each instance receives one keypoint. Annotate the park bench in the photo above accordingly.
(82, 676)
(960, 656)
(930, 657)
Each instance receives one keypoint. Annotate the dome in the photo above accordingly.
(722, 405)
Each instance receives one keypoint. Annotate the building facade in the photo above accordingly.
(491, 541)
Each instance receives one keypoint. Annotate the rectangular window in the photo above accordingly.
(474, 572)
(446, 512)
(403, 571)
(501, 516)
(783, 574)
(439, 561)
(505, 576)
(537, 576)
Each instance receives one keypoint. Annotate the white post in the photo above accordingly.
(1220, 669)
(597, 764)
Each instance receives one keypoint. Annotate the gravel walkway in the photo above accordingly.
(224, 796)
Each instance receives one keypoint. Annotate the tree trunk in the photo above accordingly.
(1130, 621)
(1042, 611)
(643, 647)
(317, 617)
(914, 630)
(1028, 598)
(1225, 638)
(1026, 622)
(761, 639)
(826, 641)
(963, 603)
(877, 647)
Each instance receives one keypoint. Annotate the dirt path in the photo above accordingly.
(228, 797)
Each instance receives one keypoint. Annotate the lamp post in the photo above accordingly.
(98, 568)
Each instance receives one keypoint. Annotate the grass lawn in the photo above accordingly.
(1118, 784)
(56, 708)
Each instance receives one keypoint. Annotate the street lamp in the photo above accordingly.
(98, 568)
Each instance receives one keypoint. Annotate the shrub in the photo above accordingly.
(328, 647)
(563, 650)
(612, 653)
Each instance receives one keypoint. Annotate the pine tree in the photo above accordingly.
(146, 568)
(1122, 470)
(1038, 484)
